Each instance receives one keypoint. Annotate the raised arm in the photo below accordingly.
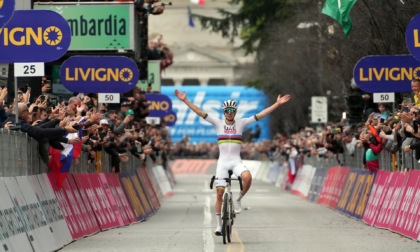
(183, 97)
(280, 101)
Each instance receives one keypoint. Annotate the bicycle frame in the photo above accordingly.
(228, 212)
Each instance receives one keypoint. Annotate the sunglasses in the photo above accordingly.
(229, 110)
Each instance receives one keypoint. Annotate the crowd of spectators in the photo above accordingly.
(118, 129)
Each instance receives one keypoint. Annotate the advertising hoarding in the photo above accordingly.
(98, 26)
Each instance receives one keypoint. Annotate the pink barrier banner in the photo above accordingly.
(333, 185)
(395, 189)
(90, 225)
(101, 206)
(120, 197)
(69, 207)
(151, 193)
(407, 222)
(192, 166)
(83, 185)
(113, 201)
(377, 196)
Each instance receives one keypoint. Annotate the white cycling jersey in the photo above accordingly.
(229, 138)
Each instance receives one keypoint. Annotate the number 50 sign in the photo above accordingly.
(383, 97)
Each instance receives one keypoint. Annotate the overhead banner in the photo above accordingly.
(389, 73)
(7, 7)
(34, 36)
(210, 98)
(98, 27)
(99, 74)
(412, 36)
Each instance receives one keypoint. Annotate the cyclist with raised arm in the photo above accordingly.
(229, 135)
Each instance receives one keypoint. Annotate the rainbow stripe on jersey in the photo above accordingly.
(236, 139)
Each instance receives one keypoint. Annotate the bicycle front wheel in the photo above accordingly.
(225, 219)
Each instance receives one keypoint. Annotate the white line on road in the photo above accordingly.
(207, 234)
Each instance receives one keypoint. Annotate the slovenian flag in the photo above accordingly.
(77, 148)
(200, 2)
(60, 162)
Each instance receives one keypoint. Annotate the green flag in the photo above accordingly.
(340, 11)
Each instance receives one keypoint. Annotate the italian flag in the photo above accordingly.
(200, 2)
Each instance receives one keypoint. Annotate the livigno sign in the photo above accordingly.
(386, 73)
(98, 27)
(99, 74)
(34, 36)
(7, 7)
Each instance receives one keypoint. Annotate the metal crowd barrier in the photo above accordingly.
(388, 161)
(19, 156)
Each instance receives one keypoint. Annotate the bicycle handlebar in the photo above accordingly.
(227, 180)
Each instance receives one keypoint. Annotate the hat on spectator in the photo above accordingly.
(129, 112)
(103, 121)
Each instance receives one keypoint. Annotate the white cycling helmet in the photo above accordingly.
(229, 104)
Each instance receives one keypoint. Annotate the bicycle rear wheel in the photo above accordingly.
(225, 219)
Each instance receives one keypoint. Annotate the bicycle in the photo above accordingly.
(228, 211)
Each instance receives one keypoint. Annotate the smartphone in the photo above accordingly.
(84, 132)
(344, 115)
(382, 120)
(53, 102)
(405, 109)
(416, 126)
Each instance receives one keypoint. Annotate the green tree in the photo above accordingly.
(250, 22)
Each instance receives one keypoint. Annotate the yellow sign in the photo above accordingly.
(1, 3)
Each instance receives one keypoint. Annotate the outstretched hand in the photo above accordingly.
(181, 96)
(283, 99)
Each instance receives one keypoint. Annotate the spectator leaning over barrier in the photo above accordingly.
(412, 128)
(229, 132)
(405, 131)
(37, 132)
